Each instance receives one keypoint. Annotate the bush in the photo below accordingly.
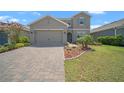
(18, 45)
(7, 47)
(23, 39)
(6, 44)
(27, 44)
(11, 46)
(111, 40)
(3, 49)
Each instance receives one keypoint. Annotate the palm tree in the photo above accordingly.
(85, 40)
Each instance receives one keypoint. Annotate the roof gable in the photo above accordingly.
(50, 18)
(84, 13)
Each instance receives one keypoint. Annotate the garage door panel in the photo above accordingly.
(49, 37)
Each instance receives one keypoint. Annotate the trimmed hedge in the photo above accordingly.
(112, 40)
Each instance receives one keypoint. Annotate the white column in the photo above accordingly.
(64, 36)
(32, 36)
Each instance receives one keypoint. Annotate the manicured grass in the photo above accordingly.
(106, 63)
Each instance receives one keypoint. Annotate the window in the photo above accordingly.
(81, 20)
(69, 24)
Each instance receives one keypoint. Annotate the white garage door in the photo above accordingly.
(47, 38)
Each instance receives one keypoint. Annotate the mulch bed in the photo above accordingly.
(72, 52)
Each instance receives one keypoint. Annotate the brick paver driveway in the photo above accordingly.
(32, 64)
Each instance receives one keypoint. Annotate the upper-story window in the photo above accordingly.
(81, 20)
(69, 24)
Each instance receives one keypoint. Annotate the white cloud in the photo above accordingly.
(106, 22)
(36, 13)
(96, 12)
(24, 20)
(95, 26)
(13, 20)
(8, 18)
(4, 18)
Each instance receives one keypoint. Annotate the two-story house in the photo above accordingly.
(58, 31)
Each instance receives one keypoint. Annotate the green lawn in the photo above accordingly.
(106, 63)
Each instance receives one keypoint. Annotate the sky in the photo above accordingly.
(98, 18)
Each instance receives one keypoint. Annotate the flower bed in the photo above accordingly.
(71, 52)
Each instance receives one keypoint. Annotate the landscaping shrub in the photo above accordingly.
(111, 40)
(6, 47)
(6, 44)
(3, 49)
(27, 44)
(23, 39)
(11, 46)
(18, 45)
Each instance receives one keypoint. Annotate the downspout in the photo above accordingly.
(115, 31)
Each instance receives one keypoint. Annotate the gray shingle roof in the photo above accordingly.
(114, 24)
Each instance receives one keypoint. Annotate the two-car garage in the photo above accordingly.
(48, 31)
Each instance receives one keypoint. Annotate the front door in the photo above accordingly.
(69, 37)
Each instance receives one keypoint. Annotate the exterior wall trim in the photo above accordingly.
(78, 29)
(48, 29)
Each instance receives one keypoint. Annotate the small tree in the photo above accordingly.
(14, 29)
(85, 40)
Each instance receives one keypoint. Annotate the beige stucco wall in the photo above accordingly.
(48, 23)
(78, 29)
(77, 33)
(84, 26)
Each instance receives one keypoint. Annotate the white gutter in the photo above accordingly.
(48, 29)
(78, 29)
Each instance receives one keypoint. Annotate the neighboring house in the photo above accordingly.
(58, 31)
(4, 32)
(111, 29)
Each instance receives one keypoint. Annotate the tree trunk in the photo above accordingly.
(83, 45)
(86, 45)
